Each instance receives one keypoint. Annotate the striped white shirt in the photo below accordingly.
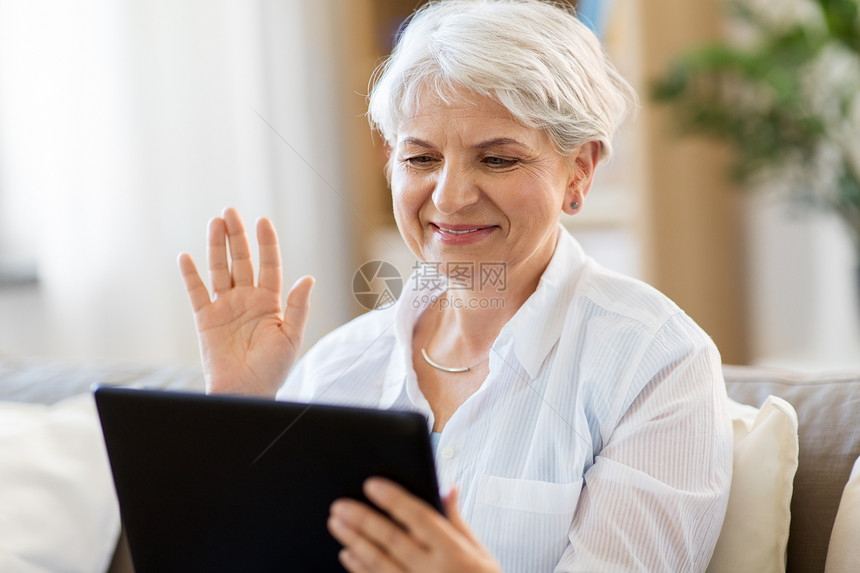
(599, 440)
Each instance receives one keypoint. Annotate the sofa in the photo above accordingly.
(828, 413)
(58, 512)
(46, 411)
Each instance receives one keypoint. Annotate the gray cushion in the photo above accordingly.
(45, 381)
(828, 412)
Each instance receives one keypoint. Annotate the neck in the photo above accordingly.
(486, 308)
(481, 313)
(465, 322)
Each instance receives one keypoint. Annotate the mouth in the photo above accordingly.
(461, 235)
(460, 229)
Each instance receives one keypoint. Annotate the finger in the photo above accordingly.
(358, 539)
(240, 251)
(270, 257)
(419, 518)
(216, 253)
(352, 563)
(194, 286)
(449, 504)
(361, 525)
(298, 305)
(368, 559)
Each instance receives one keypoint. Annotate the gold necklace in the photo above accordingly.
(438, 366)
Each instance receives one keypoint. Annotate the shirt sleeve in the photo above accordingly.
(655, 497)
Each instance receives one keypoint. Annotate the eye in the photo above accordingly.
(419, 160)
(418, 163)
(494, 161)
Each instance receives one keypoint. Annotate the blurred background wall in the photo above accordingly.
(126, 124)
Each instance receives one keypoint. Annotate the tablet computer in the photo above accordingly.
(225, 483)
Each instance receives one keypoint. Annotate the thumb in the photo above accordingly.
(298, 305)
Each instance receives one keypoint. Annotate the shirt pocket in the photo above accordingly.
(525, 523)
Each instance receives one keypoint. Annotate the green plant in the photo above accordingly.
(784, 91)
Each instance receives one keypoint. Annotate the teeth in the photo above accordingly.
(458, 232)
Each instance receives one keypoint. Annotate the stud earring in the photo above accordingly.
(574, 205)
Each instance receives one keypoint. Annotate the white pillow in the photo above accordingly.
(755, 532)
(59, 510)
(843, 554)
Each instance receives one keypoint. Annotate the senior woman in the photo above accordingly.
(579, 415)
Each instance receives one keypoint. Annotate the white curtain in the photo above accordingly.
(803, 287)
(125, 125)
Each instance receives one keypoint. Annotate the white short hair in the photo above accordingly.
(535, 58)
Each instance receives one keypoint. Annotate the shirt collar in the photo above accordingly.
(417, 293)
(534, 328)
(537, 325)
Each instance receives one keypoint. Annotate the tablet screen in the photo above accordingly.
(223, 483)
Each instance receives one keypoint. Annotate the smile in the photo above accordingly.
(452, 231)
(461, 235)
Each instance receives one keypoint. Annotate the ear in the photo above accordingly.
(584, 163)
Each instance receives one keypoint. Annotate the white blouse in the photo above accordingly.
(599, 440)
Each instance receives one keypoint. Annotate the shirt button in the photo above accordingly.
(447, 453)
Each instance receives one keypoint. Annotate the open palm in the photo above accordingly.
(248, 342)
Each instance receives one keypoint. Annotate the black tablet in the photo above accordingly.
(223, 483)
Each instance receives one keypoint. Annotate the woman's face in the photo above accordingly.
(472, 185)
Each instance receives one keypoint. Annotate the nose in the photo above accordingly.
(455, 189)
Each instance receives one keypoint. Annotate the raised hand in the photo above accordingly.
(248, 343)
